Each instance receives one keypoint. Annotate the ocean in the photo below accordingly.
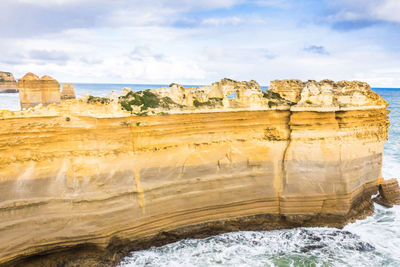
(374, 241)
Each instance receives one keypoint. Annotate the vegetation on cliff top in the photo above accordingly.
(212, 102)
(66, 97)
(278, 99)
(229, 80)
(95, 99)
(145, 100)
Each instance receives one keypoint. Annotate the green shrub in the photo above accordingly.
(308, 102)
(166, 102)
(212, 102)
(145, 99)
(271, 103)
(141, 114)
(96, 99)
(65, 97)
(125, 105)
(273, 95)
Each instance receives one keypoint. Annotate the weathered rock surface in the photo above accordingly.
(68, 91)
(389, 193)
(248, 94)
(125, 91)
(87, 181)
(7, 83)
(34, 90)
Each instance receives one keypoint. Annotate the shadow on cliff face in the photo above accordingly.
(117, 249)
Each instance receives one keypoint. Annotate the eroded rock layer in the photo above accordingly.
(68, 91)
(34, 91)
(389, 193)
(100, 178)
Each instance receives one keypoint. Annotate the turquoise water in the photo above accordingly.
(374, 241)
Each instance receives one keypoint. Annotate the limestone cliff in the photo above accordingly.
(68, 91)
(34, 90)
(92, 177)
(7, 83)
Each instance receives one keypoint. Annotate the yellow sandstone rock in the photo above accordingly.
(68, 91)
(34, 90)
(93, 174)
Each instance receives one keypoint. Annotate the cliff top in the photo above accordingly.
(224, 95)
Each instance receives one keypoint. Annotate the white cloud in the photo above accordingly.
(388, 10)
(139, 42)
(373, 10)
(222, 21)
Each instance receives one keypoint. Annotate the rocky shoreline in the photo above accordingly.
(88, 254)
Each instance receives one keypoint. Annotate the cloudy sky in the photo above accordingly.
(200, 41)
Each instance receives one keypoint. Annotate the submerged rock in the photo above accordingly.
(389, 193)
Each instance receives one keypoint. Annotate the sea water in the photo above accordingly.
(374, 241)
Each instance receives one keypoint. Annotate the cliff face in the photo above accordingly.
(92, 174)
(7, 83)
(34, 90)
(68, 91)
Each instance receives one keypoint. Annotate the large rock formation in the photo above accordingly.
(7, 83)
(68, 91)
(248, 94)
(34, 90)
(86, 182)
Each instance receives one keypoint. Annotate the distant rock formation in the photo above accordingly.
(34, 90)
(68, 91)
(228, 95)
(7, 83)
(248, 94)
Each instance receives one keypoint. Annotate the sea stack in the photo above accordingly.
(34, 90)
(68, 91)
(7, 83)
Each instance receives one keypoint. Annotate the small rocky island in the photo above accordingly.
(7, 83)
(84, 181)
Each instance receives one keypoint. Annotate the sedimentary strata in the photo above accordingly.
(7, 83)
(34, 90)
(389, 194)
(68, 91)
(96, 177)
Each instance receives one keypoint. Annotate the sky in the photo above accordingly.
(202, 41)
